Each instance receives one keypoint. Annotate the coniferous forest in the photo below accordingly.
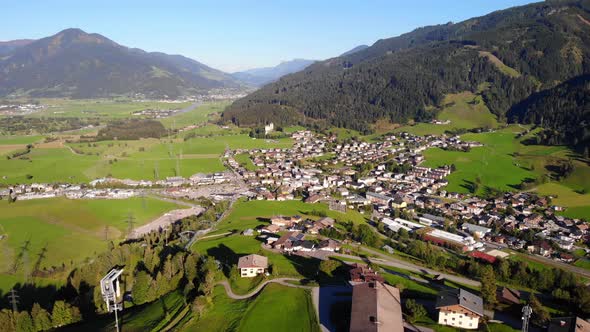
(512, 55)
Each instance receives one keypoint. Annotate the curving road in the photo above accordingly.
(280, 281)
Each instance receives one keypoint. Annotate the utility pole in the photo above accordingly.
(130, 223)
(13, 300)
(527, 311)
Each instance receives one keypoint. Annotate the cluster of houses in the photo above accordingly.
(41, 191)
(323, 169)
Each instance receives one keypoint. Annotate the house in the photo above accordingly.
(476, 230)
(288, 241)
(252, 265)
(459, 308)
(363, 273)
(508, 296)
(376, 307)
(378, 198)
(329, 245)
(568, 324)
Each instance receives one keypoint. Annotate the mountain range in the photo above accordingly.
(261, 76)
(507, 56)
(73, 63)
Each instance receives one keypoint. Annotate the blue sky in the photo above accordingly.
(238, 34)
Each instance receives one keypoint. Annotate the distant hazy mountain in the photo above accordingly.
(261, 76)
(8, 46)
(77, 64)
(354, 50)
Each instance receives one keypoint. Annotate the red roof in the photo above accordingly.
(483, 256)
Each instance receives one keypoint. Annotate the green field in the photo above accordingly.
(70, 230)
(20, 140)
(276, 308)
(201, 114)
(141, 159)
(251, 214)
(494, 163)
(100, 108)
(465, 111)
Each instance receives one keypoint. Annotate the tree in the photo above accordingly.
(6, 320)
(24, 323)
(61, 314)
(415, 311)
(329, 266)
(41, 318)
(540, 314)
(488, 286)
(141, 289)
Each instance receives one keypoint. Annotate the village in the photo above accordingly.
(383, 180)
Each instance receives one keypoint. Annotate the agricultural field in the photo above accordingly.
(203, 113)
(100, 108)
(55, 226)
(148, 159)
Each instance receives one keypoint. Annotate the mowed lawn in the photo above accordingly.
(494, 163)
(70, 230)
(280, 308)
(276, 308)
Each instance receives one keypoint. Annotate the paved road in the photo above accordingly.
(401, 264)
(280, 281)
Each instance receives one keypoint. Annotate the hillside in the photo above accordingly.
(516, 52)
(9, 46)
(261, 76)
(76, 64)
(563, 110)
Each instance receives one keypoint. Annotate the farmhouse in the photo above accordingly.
(459, 308)
(252, 265)
(376, 307)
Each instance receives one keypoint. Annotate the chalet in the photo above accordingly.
(376, 307)
(252, 265)
(329, 245)
(459, 308)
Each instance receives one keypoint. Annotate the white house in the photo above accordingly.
(252, 265)
(459, 308)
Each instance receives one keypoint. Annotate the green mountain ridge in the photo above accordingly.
(399, 79)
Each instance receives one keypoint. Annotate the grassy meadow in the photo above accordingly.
(100, 108)
(464, 110)
(69, 230)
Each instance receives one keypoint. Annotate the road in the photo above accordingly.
(205, 231)
(280, 281)
(401, 264)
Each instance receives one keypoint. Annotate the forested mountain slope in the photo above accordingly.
(516, 52)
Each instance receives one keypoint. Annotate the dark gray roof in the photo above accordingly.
(460, 297)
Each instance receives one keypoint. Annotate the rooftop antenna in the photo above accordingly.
(111, 293)
(527, 311)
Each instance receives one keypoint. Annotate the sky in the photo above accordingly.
(234, 35)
